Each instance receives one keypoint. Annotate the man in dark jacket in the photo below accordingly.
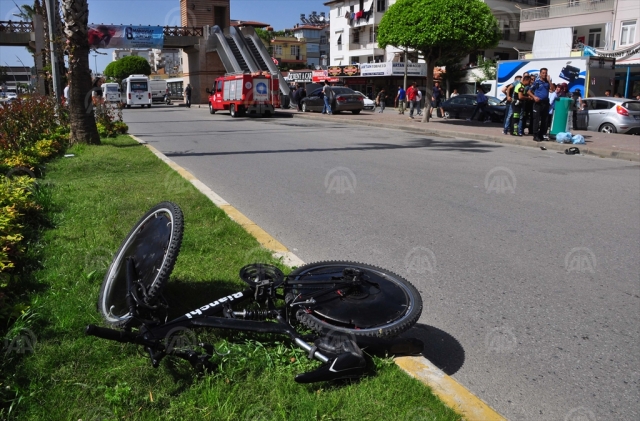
(299, 95)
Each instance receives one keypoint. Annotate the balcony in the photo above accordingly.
(582, 12)
(362, 46)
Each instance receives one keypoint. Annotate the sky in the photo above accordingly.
(280, 14)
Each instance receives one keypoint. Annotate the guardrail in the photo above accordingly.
(16, 27)
(575, 7)
(183, 31)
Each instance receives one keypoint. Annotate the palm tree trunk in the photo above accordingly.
(83, 123)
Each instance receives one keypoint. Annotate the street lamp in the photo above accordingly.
(95, 57)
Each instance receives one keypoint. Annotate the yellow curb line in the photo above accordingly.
(452, 393)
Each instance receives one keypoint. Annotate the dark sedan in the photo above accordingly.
(462, 106)
(345, 99)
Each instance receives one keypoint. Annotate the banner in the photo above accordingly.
(375, 69)
(350, 70)
(414, 69)
(120, 36)
(299, 77)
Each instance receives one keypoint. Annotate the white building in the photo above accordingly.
(354, 26)
(169, 59)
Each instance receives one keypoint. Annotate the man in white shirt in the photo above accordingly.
(66, 95)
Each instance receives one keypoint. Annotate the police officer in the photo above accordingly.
(539, 93)
(520, 99)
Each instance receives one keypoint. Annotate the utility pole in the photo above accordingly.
(406, 66)
(55, 69)
(95, 61)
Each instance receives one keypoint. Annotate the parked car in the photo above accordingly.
(613, 115)
(369, 104)
(346, 99)
(12, 95)
(462, 106)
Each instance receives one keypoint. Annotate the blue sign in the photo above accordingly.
(261, 88)
(120, 36)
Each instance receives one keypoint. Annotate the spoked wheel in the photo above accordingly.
(375, 303)
(154, 244)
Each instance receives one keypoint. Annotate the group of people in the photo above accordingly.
(532, 99)
(411, 97)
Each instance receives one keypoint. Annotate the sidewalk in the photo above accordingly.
(604, 145)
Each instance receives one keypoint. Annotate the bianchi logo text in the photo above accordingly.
(198, 311)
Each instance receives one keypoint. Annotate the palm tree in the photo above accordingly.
(83, 123)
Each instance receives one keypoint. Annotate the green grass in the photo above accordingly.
(93, 199)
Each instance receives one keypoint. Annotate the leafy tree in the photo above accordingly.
(82, 120)
(110, 70)
(130, 65)
(440, 30)
(487, 69)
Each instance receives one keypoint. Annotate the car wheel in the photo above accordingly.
(447, 114)
(211, 110)
(608, 128)
(304, 107)
(356, 111)
(232, 110)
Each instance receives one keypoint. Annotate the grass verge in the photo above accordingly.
(95, 197)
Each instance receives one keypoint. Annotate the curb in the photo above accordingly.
(510, 140)
(452, 393)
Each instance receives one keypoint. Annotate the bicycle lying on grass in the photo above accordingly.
(351, 306)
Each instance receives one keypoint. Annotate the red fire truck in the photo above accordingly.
(245, 93)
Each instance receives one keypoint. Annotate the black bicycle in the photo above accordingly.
(350, 306)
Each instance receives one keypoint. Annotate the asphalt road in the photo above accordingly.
(527, 260)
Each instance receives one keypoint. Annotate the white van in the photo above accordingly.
(158, 89)
(135, 90)
(111, 92)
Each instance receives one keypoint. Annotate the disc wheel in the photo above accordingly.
(383, 304)
(232, 111)
(608, 128)
(304, 107)
(154, 243)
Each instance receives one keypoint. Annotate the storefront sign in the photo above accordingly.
(414, 69)
(299, 77)
(375, 69)
(350, 70)
(119, 36)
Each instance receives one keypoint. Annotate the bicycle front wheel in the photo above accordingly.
(381, 304)
(154, 244)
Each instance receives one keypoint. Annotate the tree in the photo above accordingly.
(487, 69)
(130, 65)
(110, 70)
(440, 30)
(83, 123)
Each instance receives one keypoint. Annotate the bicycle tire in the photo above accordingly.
(155, 243)
(389, 283)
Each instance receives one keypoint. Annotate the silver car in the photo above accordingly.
(613, 115)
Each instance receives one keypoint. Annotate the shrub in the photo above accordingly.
(24, 121)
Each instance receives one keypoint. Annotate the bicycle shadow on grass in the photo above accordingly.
(442, 349)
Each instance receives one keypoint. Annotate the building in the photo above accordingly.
(16, 79)
(315, 31)
(600, 27)
(289, 51)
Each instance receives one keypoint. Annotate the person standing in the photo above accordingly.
(419, 101)
(520, 99)
(187, 95)
(539, 93)
(455, 93)
(508, 111)
(481, 105)
(327, 96)
(400, 99)
(381, 99)
(299, 95)
(96, 90)
(607, 92)
(411, 97)
(576, 106)
(436, 99)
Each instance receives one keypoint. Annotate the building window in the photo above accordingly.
(356, 36)
(522, 36)
(505, 32)
(295, 51)
(323, 39)
(277, 50)
(381, 5)
(628, 32)
(379, 59)
(594, 38)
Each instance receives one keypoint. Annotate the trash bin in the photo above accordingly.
(560, 121)
(582, 119)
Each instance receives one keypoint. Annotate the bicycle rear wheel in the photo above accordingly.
(154, 243)
(384, 304)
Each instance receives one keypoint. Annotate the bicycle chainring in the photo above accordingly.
(256, 274)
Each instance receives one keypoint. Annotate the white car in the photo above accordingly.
(368, 104)
(12, 95)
